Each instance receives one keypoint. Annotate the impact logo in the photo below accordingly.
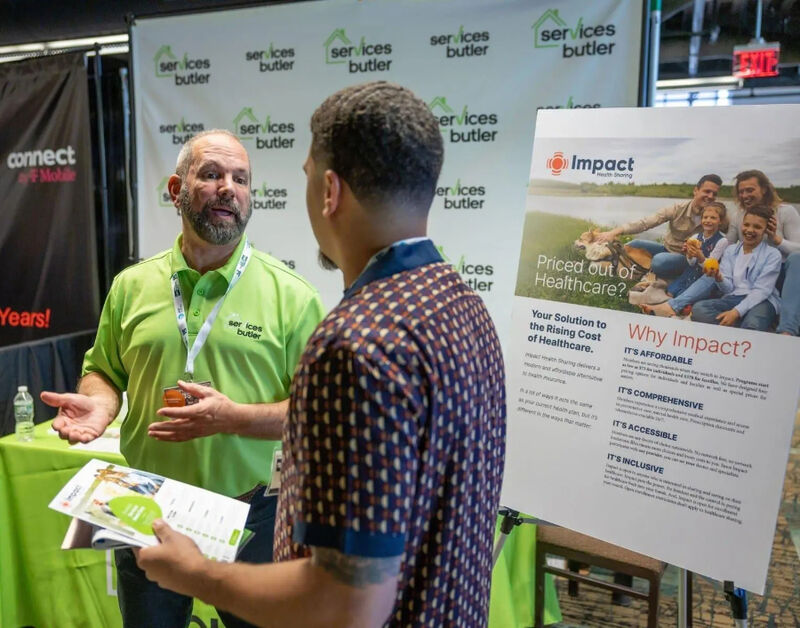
(186, 70)
(474, 275)
(181, 131)
(557, 163)
(621, 168)
(266, 197)
(272, 59)
(551, 31)
(47, 165)
(268, 135)
(570, 104)
(461, 196)
(463, 126)
(164, 199)
(361, 57)
(462, 44)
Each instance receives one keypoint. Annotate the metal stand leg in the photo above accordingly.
(511, 519)
(683, 598)
(738, 599)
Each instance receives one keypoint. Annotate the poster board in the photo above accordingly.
(666, 436)
(47, 239)
(485, 67)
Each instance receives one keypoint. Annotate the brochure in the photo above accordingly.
(114, 506)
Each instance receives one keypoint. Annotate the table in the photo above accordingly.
(42, 585)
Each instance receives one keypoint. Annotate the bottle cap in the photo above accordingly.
(22, 389)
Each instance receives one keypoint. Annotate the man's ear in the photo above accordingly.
(333, 193)
(174, 188)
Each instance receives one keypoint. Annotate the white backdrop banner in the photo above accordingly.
(668, 436)
(484, 67)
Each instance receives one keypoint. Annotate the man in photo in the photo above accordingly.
(217, 310)
(683, 221)
(394, 448)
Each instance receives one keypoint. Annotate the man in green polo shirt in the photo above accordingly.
(212, 310)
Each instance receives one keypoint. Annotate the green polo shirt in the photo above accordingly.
(250, 356)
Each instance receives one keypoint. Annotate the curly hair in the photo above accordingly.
(383, 141)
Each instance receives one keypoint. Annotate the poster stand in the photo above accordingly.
(736, 596)
(511, 519)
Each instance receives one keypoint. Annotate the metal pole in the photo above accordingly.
(759, 9)
(101, 148)
(655, 47)
(694, 43)
(683, 602)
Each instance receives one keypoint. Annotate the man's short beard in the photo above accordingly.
(203, 224)
(326, 262)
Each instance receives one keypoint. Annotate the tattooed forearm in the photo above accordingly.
(357, 571)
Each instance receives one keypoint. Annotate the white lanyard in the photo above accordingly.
(180, 314)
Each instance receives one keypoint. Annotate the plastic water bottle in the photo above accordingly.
(23, 414)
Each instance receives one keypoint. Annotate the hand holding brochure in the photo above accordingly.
(114, 506)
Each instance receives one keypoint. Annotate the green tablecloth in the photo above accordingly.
(44, 586)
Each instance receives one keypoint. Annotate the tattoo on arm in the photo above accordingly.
(356, 571)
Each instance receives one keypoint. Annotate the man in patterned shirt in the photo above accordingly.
(394, 448)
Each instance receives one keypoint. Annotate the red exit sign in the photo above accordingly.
(756, 61)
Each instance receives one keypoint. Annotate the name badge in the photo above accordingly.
(176, 397)
(275, 482)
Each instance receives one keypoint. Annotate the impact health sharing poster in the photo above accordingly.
(663, 435)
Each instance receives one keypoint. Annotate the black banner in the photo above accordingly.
(48, 261)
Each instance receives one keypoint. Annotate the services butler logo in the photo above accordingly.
(45, 165)
(164, 199)
(267, 197)
(580, 40)
(273, 59)
(181, 131)
(268, 134)
(474, 274)
(605, 167)
(363, 56)
(462, 196)
(571, 104)
(185, 70)
(462, 43)
(464, 125)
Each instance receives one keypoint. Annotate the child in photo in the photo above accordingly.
(692, 285)
(709, 243)
(746, 278)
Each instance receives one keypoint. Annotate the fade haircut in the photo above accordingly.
(770, 197)
(184, 161)
(383, 141)
(714, 178)
(762, 209)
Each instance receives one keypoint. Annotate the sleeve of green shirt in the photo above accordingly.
(104, 356)
(307, 320)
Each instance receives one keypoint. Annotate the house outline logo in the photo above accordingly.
(165, 50)
(557, 163)
(164, 199)
(552, 16)
(341, 35)
(441, 103)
